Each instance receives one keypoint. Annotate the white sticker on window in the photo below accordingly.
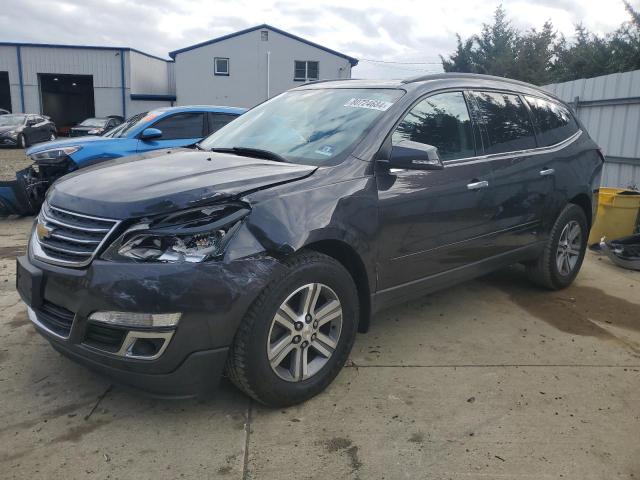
(368, 103)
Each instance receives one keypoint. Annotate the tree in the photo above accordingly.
(541, 56)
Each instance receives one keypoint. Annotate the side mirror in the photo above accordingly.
(150, 133)
(410, 155)
(31, 123)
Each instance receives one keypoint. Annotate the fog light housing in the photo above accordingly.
(137, 320)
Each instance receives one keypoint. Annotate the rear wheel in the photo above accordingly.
(297, 335)
(564, 252)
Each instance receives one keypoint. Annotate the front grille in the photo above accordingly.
(68, 238)
(55, 318)
(104, 337)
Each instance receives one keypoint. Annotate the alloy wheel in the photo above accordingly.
(569, 247)
(304, 332)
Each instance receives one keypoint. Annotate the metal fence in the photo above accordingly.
(609, 106)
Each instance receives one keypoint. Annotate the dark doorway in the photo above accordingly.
(67, 99)
(5, 91)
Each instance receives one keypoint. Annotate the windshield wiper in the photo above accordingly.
(252, 152)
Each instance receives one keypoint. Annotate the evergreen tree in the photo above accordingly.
(541, 56)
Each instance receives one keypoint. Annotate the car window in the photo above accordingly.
(554, 121)
(181, 125)
(442, 121)
(506, 122)
(219, 120)
(315, 126)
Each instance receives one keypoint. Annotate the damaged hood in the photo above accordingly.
(165, 181)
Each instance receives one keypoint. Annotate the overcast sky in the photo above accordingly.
(388, 31)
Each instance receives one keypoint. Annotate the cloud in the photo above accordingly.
(402, 31)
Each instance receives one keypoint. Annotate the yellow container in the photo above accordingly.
(617, 214)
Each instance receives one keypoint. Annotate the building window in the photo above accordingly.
(221, 66)
(264, 35)
(306, 70)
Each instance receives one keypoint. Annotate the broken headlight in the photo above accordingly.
(194, 236)
(54, 155)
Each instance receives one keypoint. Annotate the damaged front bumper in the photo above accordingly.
(25, 194)
(624, 252)
(211, 299)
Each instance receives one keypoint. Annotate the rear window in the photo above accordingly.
(553, 121)
(506, 122)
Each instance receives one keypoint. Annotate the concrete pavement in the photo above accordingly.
(489, 379)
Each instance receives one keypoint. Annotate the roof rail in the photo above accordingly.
(313, 82)
(440, 76)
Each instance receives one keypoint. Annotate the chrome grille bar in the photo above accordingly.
(67, 238)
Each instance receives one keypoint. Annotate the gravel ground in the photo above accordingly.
(12, 160)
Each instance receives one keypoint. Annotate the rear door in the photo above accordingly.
(434, 221)
(178, 130)
(510, 145)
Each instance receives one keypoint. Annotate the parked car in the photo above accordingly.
(4, 112)
(94, 126)
(161, 128)
(269, 247)
(22, 130)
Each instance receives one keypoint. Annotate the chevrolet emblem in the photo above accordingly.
(43, 231)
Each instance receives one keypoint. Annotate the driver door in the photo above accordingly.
(434, 221)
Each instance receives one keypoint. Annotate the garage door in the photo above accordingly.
(5, 91)
(67, 99)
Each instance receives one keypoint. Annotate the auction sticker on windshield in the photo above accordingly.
(368, 103)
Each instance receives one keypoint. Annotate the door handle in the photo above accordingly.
(477, 185)
(547, 171)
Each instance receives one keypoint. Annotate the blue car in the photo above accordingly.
(157, 129)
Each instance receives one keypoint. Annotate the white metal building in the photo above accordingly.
(72, 82)
(247, 67)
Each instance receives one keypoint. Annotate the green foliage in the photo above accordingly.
(542, 56)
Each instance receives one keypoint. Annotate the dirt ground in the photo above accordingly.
(12, 160)
(489, 379)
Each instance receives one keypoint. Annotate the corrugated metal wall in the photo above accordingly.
(609, 107)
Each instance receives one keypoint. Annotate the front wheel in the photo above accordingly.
(564, 252)
(52, 136)
(22, 141)
(297, 335)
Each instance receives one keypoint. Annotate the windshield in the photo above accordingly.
(312, 127)
(123, 129)
(11, 120)
(93, 122)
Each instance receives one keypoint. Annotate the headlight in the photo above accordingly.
(12, 133)
(193, 235)
(95, 131)
(54, 155)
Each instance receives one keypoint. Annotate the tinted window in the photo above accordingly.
(554, 122)
(506, 121)
(442, 121)
(181, 125)
(218, 120)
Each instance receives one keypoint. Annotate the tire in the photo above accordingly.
(248, 365)
(546, 271)
(52, 136)
(22, 141)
